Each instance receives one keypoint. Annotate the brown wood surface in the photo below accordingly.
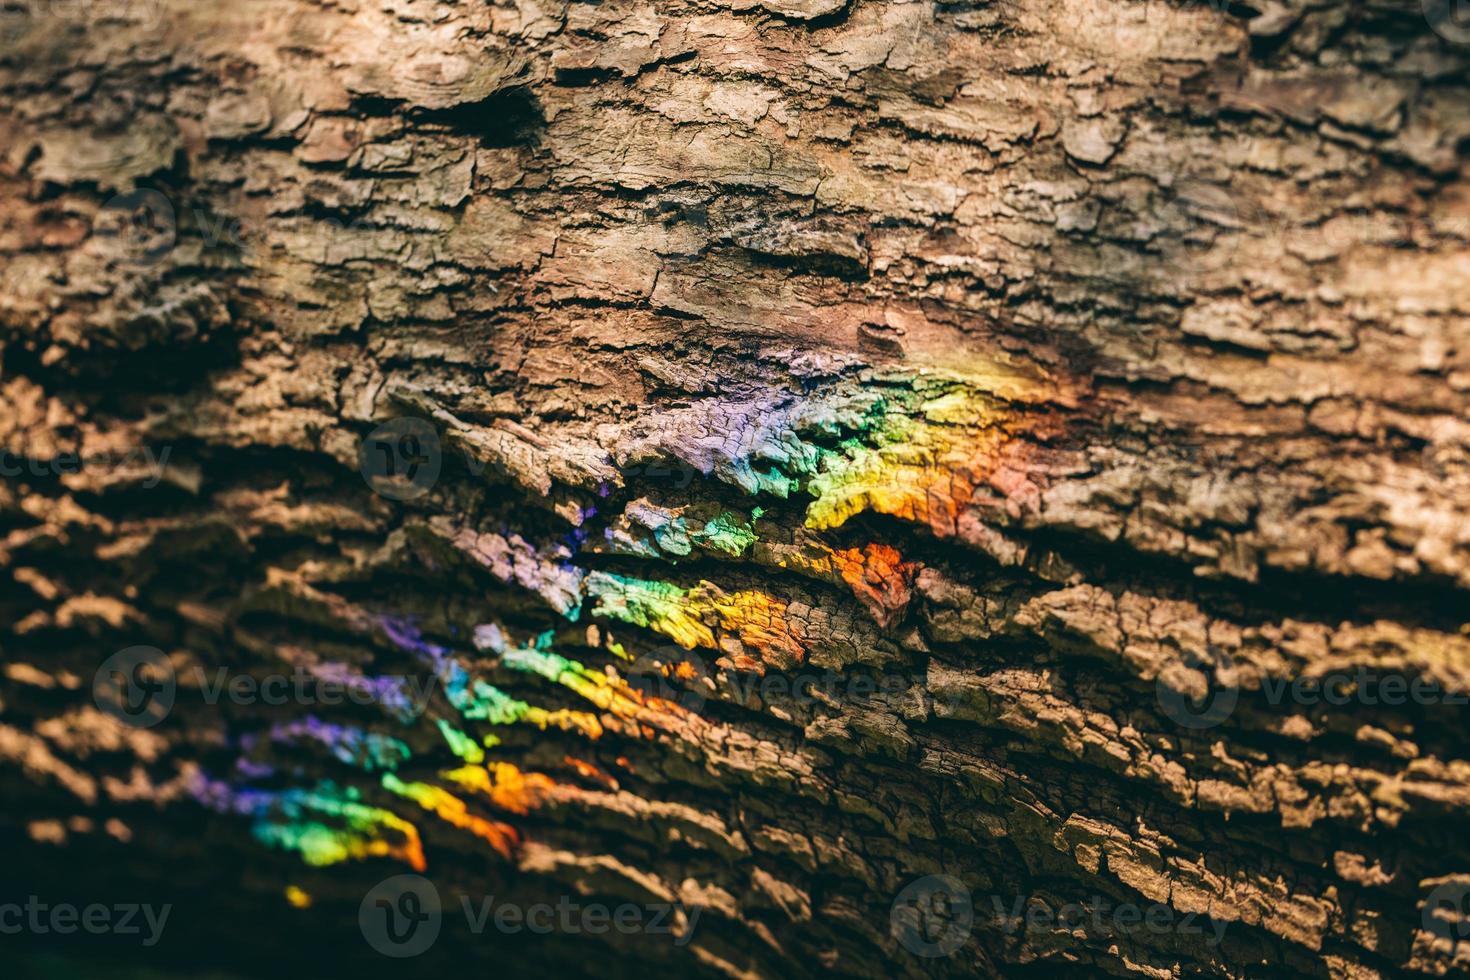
(1170, 303)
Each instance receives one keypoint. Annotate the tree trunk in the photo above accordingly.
(897, 488)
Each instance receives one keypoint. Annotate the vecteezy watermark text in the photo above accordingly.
(403, 458)
(63, 919)
(403, 916)
(682, 677)
(934, 916)
(16, 21)
(1358, 686)
(138, 686)
(21, 464)
(570, 917)
(1099, 915)
(142, 227)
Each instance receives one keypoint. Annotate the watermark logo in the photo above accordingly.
(671, 674)
(1202, 224)
(139, 227)
(1447, 911)
(1442, 460)
(401, 459)
(15, 24)
(63, 919)
(401, 916)
(1191, 710)
(1450, 19)
(136, 686)
(932, 916)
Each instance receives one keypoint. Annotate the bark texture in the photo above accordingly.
(1055, 366)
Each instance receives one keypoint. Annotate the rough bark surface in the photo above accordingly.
(1053, 366)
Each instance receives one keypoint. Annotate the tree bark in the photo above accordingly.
(899, 483)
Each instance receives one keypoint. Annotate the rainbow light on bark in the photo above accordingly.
(930, 447)
(608, 693)
(915, 445)
(696, 617)
(451, 809)
(917, 455)
(331, 823)
(877, 575)
(366, 750)
(297, 820)
(505, 785)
